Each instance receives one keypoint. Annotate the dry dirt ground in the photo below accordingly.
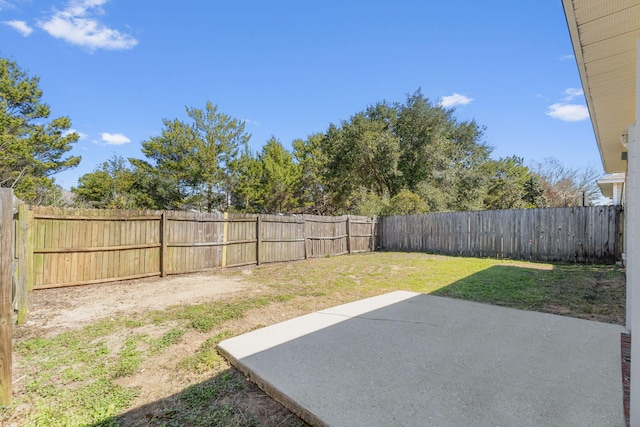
(53, 311)
(61, 309)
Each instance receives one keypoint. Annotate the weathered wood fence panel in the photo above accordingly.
(580, 234)
(325, 236)
(281, 238)
(362, 235)
(67, 247)
(194, 242)
(84, 246)
(242, 240)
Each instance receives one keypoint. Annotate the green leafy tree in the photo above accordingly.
(441, 158)
(534, 195)
(249, 191)
(94, 189)
(405, 203)
(109, 186)
(201, 156)
(414, 146)
(118, 184)
(435, 196)
(31, 148)
(312, 157)
(368, 203)
(362, 153)
(280, 178)
(512, 185)
(153, 189)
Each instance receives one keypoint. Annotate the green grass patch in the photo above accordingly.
(212, 390)
(129, 359)
(87, 404)
(591, 292)
(205, 317)
(158, 345)
(202, 404)
(585, 291)
(72, 381)
(206, 357)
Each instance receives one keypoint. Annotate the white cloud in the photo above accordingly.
(114, 139)
(572, 93)
(81, 135)
(568, 112)
(4, 4)
(19, 26)
(76, 25)
(567, 57)
(455, 99)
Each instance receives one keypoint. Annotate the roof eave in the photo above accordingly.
(572, 23)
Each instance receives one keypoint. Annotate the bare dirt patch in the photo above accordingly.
(59, 309)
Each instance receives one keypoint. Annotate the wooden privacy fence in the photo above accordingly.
(580, 234)
(84, 246)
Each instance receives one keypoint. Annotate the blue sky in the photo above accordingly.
(290, 68)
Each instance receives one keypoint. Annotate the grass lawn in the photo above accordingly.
(109, 373)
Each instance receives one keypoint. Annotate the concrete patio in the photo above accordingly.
(407, 359)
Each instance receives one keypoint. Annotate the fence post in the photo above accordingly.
(22, 253)
(619, 232)
(258, 239)
(348, 235)
(6, 242)
(373, 234)
(31, 244)
(225, 231)
(304, 236)
(163, 241)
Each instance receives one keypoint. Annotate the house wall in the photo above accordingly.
(631, 218)
(633, 257)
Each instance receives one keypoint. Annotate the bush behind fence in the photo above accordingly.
(580, 234)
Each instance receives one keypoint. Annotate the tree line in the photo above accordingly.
(390, 158)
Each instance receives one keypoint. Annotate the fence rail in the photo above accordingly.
(580, 234)
(71, 247)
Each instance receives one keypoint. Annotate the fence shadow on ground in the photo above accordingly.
(593, 293)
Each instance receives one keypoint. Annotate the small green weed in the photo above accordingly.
(206, 357)
(171, 337)
(88, 404)
(133, 323)
(211, 390)
(129, 358)
(205, 317)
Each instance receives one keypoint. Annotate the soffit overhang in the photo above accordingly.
(605, 36)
